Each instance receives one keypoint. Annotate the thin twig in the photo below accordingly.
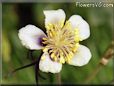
(103, 62)
(22, 67)
(36, 68)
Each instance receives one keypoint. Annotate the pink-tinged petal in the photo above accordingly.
(31, 37)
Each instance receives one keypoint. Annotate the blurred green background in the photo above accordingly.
(14, 55)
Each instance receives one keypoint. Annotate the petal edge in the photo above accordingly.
(82, 56)
(54, 16)
(30, 37)
(79, 23)
(47, 65)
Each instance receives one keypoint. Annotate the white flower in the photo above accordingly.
(60, 44)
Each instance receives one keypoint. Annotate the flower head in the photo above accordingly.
(60, 44)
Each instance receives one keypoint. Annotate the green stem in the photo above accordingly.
(58, 78)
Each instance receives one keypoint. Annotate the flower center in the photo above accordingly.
(61, 42)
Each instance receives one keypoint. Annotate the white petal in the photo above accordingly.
(31, 36)
(47, 65)
(81, 57)
(54, 16)
(78, 22)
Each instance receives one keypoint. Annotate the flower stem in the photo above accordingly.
(103, 62)
(58, 78)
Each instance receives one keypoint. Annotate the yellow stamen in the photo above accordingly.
(43, 58)
(49, 26)
(52, 55)
(45, 49)
(62, 60)
(44, 38)
(62, 41)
